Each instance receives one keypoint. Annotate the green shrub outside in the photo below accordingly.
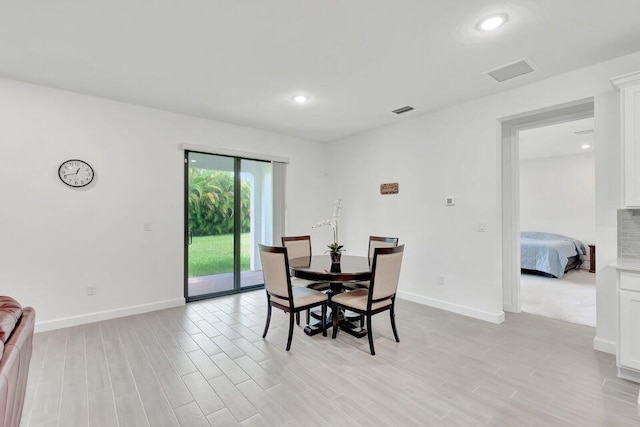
(211, 204)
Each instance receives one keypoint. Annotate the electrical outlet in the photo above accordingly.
(450, 201)
(482, 227)
(91, 290)
(147, 226)
(441, 280)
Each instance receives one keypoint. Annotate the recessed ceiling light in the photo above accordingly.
(300, 99)
(492, 22)
(585, 146)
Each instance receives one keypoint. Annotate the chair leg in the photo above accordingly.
(266, 327)
(392, 314)
(291, 320)
(298, 318)
(308, 316)
(324, 320)
(362, 321)
(370, 334)
(334, 313)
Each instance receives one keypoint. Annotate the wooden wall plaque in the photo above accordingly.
(389, 188)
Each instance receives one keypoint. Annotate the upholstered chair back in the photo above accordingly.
(380, 242)
(275, 270)
(386, 272)
(297, 246)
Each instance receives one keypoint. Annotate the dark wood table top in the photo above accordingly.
(319, 267)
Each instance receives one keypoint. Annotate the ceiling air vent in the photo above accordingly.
(403, 109)
(584, 132)
(509, 71)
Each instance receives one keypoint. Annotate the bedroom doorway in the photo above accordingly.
(512, 128)
(557, 221)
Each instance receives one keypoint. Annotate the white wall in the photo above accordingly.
(54, 240)
(456, 152)
(557, 195)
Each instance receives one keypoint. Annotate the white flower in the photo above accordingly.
(321, 223)
(333, 222)
(336, 210)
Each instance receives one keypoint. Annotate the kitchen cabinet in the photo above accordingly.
(628, 336)
(629, 87)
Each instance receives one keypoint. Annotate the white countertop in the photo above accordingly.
(626, 264)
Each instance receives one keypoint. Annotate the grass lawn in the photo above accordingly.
(214, 254)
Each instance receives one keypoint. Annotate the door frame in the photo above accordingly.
(509, 128)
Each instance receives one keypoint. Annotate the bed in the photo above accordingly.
(549, 254)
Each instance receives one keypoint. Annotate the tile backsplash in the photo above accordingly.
(629, 233)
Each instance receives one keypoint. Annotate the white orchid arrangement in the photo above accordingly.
(333, 222)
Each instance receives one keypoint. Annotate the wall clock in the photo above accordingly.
(75, 173)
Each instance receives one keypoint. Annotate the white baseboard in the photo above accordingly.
(509, 308)
(82, 319)
(605, 346)
(629, 374)
(455, 308)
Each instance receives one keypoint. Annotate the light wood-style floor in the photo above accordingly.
(207, 364)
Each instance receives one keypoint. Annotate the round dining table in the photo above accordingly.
(320, 268)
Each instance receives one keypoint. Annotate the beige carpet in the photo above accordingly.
(572, 298)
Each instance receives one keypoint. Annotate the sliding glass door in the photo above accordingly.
(228, 211)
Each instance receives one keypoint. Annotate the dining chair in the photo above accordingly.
(280, 293)
(375, 242)
(380, 242)
(381, 295)
(299, 247)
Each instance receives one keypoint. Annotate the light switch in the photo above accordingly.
(147, 226)
(482, 227)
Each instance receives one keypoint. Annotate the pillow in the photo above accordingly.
(10, 312)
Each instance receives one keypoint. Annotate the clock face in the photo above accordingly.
(75, 173)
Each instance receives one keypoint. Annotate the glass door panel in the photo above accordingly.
(256, 215)
(210, 224)
(228, 211)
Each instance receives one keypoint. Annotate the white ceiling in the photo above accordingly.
(240, 61)
(556, 140)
